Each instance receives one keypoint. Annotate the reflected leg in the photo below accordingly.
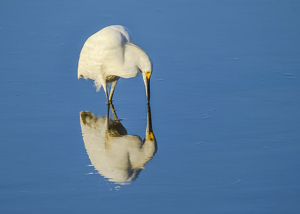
(114, 112)
(107, 117)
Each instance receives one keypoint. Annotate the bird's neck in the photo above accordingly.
(134, 59)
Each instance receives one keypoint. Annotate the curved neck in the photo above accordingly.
(135, 58)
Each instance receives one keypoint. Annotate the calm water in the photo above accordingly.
(224, 103)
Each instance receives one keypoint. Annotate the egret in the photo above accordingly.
(113, 153)
(110, 54)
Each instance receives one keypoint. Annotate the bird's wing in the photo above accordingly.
(104, 47)
(90, 59)
(103, 54)
(124, 31)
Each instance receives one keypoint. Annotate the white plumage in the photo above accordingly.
(115, 154)
(110, 54)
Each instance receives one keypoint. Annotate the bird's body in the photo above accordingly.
(110, 54)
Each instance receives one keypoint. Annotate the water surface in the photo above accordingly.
(224, 103)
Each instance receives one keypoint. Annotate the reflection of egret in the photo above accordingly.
(114, 154)
(108, 55)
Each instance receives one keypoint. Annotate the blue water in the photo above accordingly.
(224, 100)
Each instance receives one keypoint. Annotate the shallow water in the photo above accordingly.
(224, 103)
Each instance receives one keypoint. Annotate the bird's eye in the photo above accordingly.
(148, 74)
(151, 137)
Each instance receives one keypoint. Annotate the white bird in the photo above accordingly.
(115, 154)
(110, 54)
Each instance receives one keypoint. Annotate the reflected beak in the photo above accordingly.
(149, 131)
